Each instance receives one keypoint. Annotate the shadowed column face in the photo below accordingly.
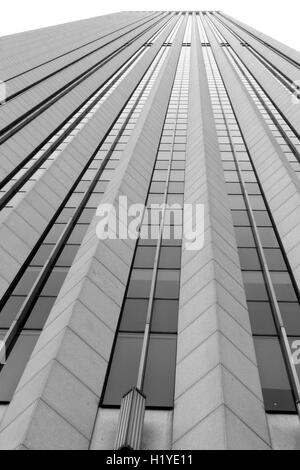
(149, 233)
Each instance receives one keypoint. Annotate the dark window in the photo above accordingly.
(144, 257)
(42, 254)
(253, 188)
(140, 283)
(275, 260)
(237, 202)
(283, 287)
(86, 216)
(160, 369)
(257, 203)
(124, 368)
(176, 188)
(158, 187)
(167, 285)
(78, 234)
(175, 199)
(268, 237)
(234, 188)
(134, 315)
(274, 379)
(164, 316)
(170, 257)
(55, 282)
(68, 255)
(155, 199)
(291, 317)
(249, 259)
(262, 322)
(27, 281)
(255, 285)
(16, 363)
(54, 233)
(244, 237)
(240, 218)
(262, 218)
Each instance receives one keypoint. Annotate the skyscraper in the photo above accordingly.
(175, 317)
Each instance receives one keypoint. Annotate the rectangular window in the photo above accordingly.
(274, 379)
(255, 285)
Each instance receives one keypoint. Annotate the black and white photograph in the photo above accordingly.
(150, 228)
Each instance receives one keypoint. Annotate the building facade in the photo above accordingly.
(186, 124)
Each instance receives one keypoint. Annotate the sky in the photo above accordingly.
(277, 19)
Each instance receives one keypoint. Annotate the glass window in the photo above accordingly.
(158, 187)
(167, 285)
(124, 368)
(40, 313)
(144, 257)
(231, 176)
(86, 216)
(165, 316)
(237, 202)
(252, 188)
(290, 312)
(249, 259)
(140, 283)
(274, 379)
(234, 188)
(244, 237)
(240, 218)
(42, 255)
(177, 175)
(78, 234)
(257, 203)
(27, 281)
(178, 165)
(67, 256)
(249, 177)
(275, 260)
(254, 285)
(15, 365)
(283, 287)
(10, 310)
(172, 236)
(155, 199)
(262, 218)
(176, 188)
(65, 215)
(175, 199)
(261, 318)
(55, 281)
(170, 257)
(134, 315)
(55, 233)
(268, 237)
(160, 370)
(160, 175)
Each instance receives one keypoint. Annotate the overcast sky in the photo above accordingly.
(278, 19)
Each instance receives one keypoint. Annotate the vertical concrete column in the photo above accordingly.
(21, 228)
(218, 399)
(57, 399)
(271, 85)
(280, 183)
